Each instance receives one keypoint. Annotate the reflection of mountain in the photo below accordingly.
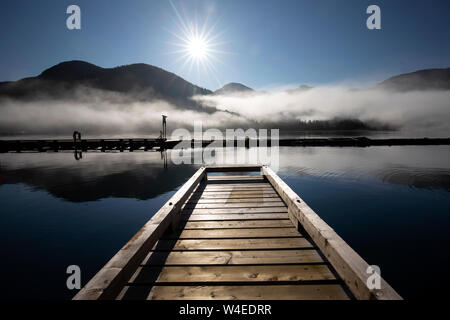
(76, 182)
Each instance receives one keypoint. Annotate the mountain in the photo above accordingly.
(233, 87)
(429, 79)
(140, 81)
(301, 88)
(143, 82)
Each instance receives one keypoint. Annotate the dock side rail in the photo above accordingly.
(347, 263)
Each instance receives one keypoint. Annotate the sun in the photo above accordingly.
(197, 48)
(198, 45)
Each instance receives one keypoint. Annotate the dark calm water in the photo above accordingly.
(391, 204)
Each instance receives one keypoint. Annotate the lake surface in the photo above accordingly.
(391, 204)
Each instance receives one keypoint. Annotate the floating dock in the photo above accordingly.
(142, 144)
(239, 236)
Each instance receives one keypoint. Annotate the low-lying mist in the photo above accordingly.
(99, 112)
(413, 111)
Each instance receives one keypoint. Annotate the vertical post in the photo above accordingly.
(164, 127)
(76, 139)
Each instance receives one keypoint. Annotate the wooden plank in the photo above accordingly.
(234, 168)
(191, 205)
(240, 178)
(218, 185)
(266, 292)
(240, 190)
(253, 191)
(225, 217)
(232, 273)
(237, 224)
(236, 210)
(270, 193)
(348, 264)
(260, 183)
(239, 233)
(236, 191)
(232, 257)
(260, 195)
(233, 244)
(109, 281)
(226, 187)
(251, 200)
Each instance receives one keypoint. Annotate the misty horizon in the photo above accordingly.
(96, 111)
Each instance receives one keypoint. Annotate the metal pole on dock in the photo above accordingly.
(164, 127)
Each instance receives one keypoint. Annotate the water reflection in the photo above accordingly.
(414, 166)
(360, 192)
(78, 154)
(93, 176)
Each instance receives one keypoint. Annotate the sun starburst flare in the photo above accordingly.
(197, 46)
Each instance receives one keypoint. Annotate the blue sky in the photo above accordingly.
(264, 43)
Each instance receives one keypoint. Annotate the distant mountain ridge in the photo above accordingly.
(428, 79)
(233, 87)
(143, 81)
(146, 82)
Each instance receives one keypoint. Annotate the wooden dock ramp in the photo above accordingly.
(235, 236)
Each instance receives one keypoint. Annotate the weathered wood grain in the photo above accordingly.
(252, 185)
(232, 257)
(236, 210)
(233, 244)
(191, 205)
(236, 188)
(234, 216)
(238, 224)
(259, 195)
(266, 292)
(235, 178)
(238, 233)
(227, 200)
(232, 273)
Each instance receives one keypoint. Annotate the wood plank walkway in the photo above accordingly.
(234, 237)
(254, 255)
